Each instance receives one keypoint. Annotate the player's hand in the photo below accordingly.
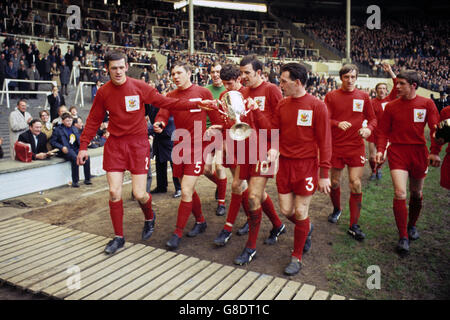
(82, 157)
(325, 185)
(435, 160)
(364, 132)
(213, 131)
(379, 158)
(158, 127)
(208, 105)
(272, 155)
(250, 104)
(344, 125)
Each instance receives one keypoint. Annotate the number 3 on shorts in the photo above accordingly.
(198, 167)
(309, 186)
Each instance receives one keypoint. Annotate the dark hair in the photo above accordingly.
(33, 122)
(346, 68)
(296, 71)
(253, 60)
(66, 115)
(114, 55)
(379, 84)
(411, 76)
(21, 100)
(229, 72)
(186, 66)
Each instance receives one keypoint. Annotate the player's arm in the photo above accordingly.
(335, 123)
(322, 132)
(432, 121)
(371, 119)
(383, 132)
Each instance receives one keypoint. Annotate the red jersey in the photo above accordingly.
(351, 106)
(304, 130)
(379, 105)
(403, 122)
(125, 104)
(266, 95)
(445, 114)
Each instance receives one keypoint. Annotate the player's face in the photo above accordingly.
(117, 71)
(215, 75)
(404, 88)
(36, 128)
(349, 80)
(181, 77)
(381, 91)
(234, 84)
(288, 86)
(249, 77)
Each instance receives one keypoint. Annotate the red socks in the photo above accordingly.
(245, 204)
(401, 216)
(197, 208)
(221, 190)
(184, 210)
(415, 206)
(233, 211)
(147, 208)
(335, 195)
(300, 234)
(373, 165)
(116, 213)
(269, 210)
(355, 207)
(254, 222)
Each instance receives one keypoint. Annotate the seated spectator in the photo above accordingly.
(47, 127)
(67, 139)
(78, 123)
(55, 100)
(58, 121)
(74, 112)
(37, 139)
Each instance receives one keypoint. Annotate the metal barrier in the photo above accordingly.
(6, 90)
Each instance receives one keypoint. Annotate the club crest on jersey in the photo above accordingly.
(132, 103)
(304, 118)
(420, 115)
(358, 105)
(261, 102)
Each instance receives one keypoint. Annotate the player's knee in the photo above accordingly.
(355, 185)
(287, 212)
(301, 213)
(335, 184)
(140, 195)
(416, 195)
(400, 194)
(236, 187)
(254, 201)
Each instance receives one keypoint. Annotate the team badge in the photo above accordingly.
(304, 118)
(132, 103)
(261, 102)
(419, 115)
(358, 105)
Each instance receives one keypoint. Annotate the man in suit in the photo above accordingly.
(55, 100)
(36, 139)
(33, 74)
(442, 102)
(67, 139)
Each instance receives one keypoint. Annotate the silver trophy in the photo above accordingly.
(233, 107)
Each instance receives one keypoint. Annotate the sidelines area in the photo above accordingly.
(69, 264)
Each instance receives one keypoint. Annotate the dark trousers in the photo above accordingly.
(161, 176)
(72, 157)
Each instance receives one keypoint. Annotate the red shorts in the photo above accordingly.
(409, 157)
(189, 169)
(126, 153)
(260, 169)
(355, 159)
(299, 176)
(445, 172)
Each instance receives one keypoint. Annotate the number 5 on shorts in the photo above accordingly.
(198, 167)
(309, 186)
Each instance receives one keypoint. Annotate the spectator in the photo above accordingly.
(55, 100)
(22, 75)
(145, 74)
(47, 127)
(67, 139)
(74, 112)
(33, 74)
(76, 69)
(36, 139)
(11, 73)
(18, 123)
(95, 89)
(64, 77)
(58, 121)
(54, 73)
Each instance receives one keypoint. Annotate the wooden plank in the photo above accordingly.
(111, 273)
(177, 281)
(32, 244)
(49, 269)
(85, 266)
(50, 260)
(213, 280)
(256, 288)
(288, 290)
(320, 295)
(337, 297)
(102, 269)
(272, 289)
(145, 278)
(10, 235)
(305, 292)
(192, 282)
(237, 290)
(18, 257)
(224, 285)
(151, 260)
(10, 222)
(48, 256)
(83, 262)
(18, 239)
(160, 280)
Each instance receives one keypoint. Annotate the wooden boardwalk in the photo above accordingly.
(47, 259)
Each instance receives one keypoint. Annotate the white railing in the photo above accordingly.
(6, 90)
